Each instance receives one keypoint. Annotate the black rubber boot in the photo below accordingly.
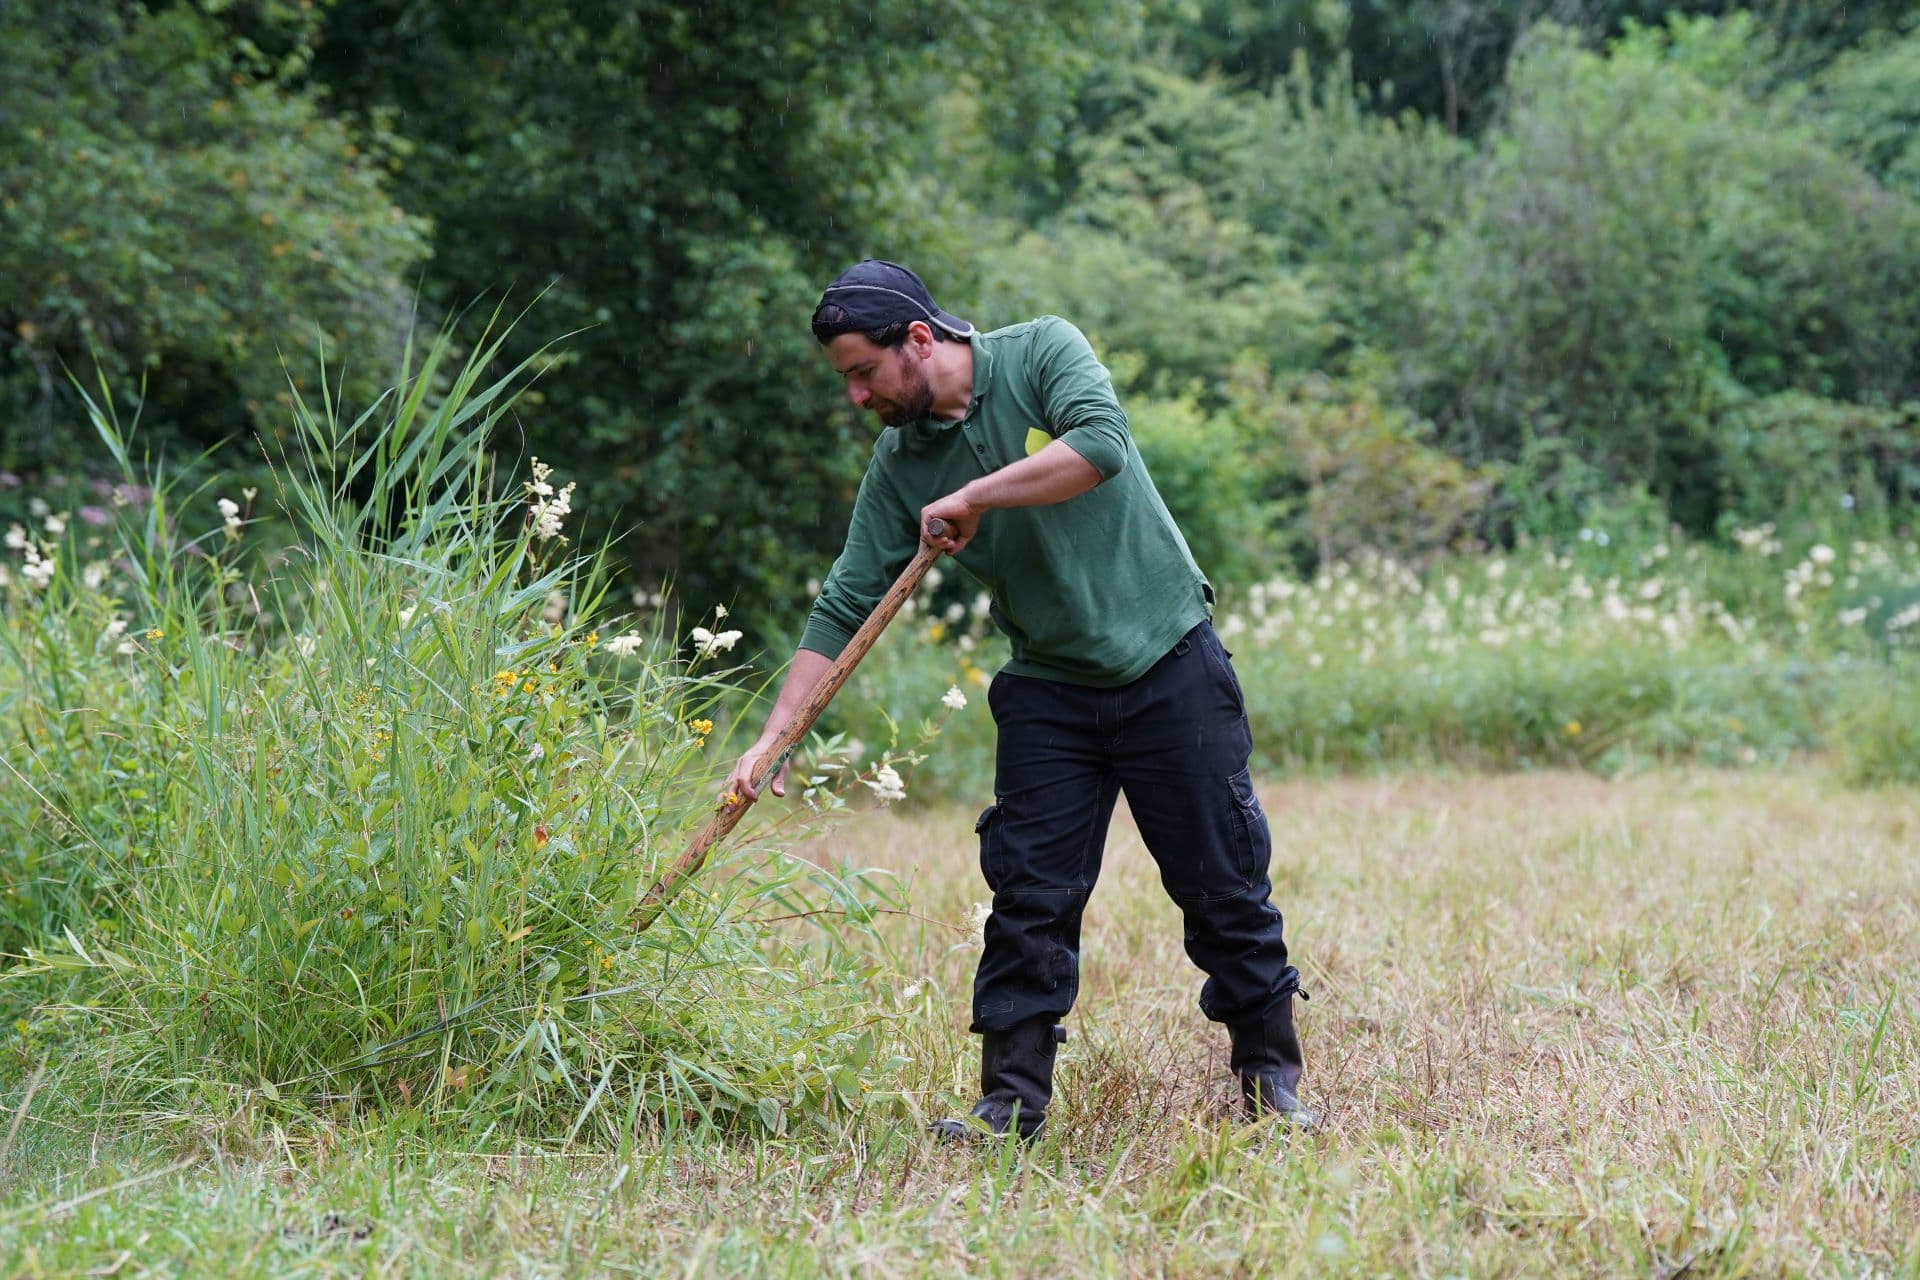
(1266, 1057)
(1016, 1083)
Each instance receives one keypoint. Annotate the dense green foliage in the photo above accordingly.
(1429, 272)
(175, 202)
(1608, 653)
(368, 819)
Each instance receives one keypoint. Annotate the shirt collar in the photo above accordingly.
(925, 430)
(982, 345)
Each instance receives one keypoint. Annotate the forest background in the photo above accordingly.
(1398, 276)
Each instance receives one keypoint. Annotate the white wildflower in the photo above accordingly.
(886, 785)
(37, 571)
(406, 614)
(719, 613)
(536, 753)
(707, 643)
(55, 525)
(16, 537)
(977, 916)
(546, 509)
(910, 992)
(622, 646)
(115, 629)
(1852, 617)
(953, 699)
(95, 574)
(1820, 553)
(555, 609)
(305, 645)
(956, 614)
(538, 486)
(37, 507)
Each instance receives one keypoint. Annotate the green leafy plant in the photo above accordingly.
(361, 821)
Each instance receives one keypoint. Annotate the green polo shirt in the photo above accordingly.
(1091, 591)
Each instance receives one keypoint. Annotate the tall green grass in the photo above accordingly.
(1542, 656)
(359, 818)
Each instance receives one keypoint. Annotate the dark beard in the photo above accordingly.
(917, 405)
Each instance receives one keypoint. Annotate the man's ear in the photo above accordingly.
(920, 338)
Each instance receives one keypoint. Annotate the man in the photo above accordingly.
(1117, 682)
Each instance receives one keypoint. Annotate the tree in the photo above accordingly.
(1643, 251)
(174, 205)
(681, 181)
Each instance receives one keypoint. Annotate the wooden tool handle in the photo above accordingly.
(727, 815)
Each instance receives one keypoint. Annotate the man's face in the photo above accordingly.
(889, 382)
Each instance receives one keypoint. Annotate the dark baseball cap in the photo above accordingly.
(875, 293)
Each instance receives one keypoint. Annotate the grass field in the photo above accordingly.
(1653, 1025)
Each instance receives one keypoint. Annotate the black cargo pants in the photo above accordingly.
(1176, 741)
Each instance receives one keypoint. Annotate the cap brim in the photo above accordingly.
(952, 324)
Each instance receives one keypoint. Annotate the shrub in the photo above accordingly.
(1645, 248)
(1876, 738)
(1600, 653)
(368, 825)
(1206, 468)
(1368, 478)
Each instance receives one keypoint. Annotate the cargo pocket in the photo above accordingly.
(987, 827)
(1252, 838)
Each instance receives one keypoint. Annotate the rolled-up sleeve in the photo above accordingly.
(881, 538)
(1081, 406)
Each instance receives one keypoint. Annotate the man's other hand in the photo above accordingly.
(739, 788)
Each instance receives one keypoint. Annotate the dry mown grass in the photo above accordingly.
(1554, 1018)
(1558, 1024)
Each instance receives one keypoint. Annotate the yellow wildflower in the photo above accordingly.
(701, 727)
(1573, 728)
(593, 639)
(155, 633)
